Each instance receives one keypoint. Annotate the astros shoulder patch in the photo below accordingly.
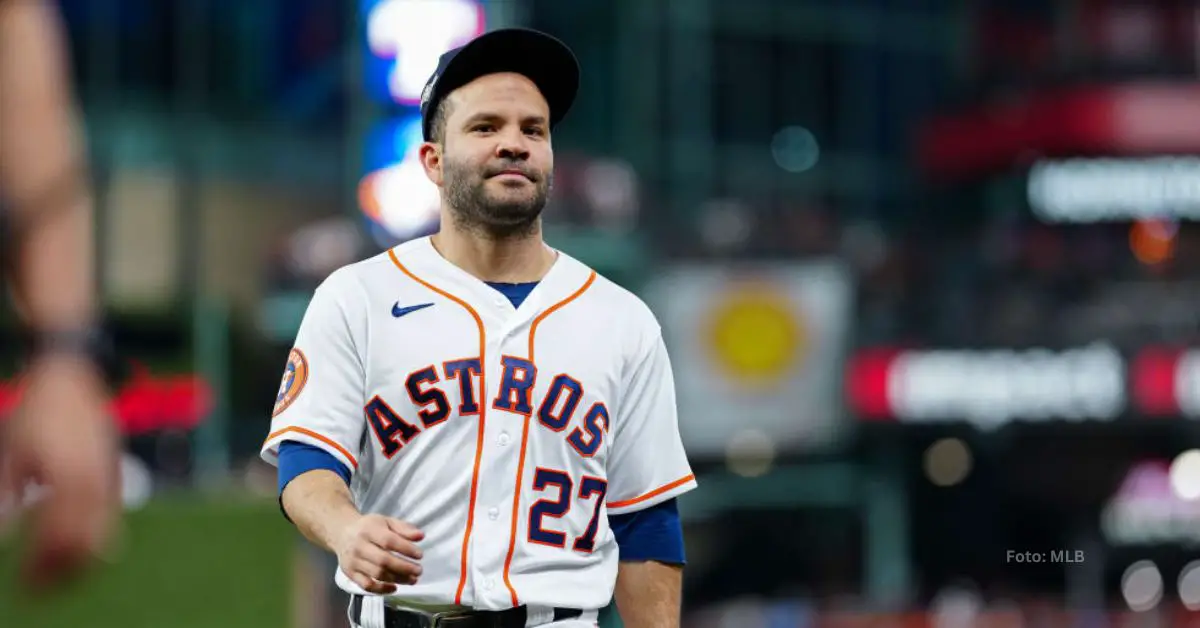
(294, 378)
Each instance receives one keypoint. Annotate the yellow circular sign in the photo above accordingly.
(756, 335)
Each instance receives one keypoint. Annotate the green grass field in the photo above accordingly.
(184, 563)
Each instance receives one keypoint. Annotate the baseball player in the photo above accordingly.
(480, 427)
(61, 436)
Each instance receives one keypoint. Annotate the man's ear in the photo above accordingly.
(431, 161)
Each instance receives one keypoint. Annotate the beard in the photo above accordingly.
(495, 215)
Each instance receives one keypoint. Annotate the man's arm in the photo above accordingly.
(48, 262)
(376, 552)
(43, 176)
(647, 465)
(319, 504)
(316, 423)
(648, 594)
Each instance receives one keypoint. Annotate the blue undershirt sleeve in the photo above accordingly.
(297, 458)
(655, 533)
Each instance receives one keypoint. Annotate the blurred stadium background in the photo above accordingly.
(929, 271)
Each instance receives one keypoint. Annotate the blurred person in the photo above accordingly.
(61, 439)
(419, 439)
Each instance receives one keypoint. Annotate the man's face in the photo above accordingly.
(497, 163)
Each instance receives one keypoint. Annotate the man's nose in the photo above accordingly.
(512, 145)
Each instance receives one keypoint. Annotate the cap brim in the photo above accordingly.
(545, 60)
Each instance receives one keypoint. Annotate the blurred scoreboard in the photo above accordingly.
(401, 43)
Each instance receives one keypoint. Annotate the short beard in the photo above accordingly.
(473, 211)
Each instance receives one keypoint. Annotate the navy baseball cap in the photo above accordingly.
(543, 59)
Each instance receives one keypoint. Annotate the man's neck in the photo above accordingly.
(511, 260)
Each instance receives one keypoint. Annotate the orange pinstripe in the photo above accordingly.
(323, 439)
(658, 491)
(462, 579)
(541, 317)
(512, 538)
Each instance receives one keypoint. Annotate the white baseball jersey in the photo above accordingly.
(508, 435)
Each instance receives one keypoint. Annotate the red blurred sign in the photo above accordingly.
(990, 388)
(1133, 119)
(146, 403)
(1165, 381)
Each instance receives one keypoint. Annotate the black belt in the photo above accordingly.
(400, 618)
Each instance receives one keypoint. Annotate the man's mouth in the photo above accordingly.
(511, 172)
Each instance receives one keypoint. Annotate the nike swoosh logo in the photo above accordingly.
(398, 311)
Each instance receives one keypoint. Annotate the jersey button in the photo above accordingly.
(503, 439)
(493, 513)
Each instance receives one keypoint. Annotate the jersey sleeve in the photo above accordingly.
(320, 400)
(647, 464)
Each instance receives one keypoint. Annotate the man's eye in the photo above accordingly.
(484, 128)
(535, 130)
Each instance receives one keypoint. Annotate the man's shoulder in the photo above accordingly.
(351, 280)
(625, 306)
(365, 270)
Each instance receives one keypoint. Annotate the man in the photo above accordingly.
(474, 422)
(61, 437)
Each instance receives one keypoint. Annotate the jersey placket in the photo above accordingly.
(500, 461)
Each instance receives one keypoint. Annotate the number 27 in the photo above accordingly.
(544, 479)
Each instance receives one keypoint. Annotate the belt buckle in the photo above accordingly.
(428, 619)
(449, 619)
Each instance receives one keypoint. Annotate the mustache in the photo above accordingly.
(510, 166)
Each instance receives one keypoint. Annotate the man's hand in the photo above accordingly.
(377, 553)
(63, 439)
(367, 553)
